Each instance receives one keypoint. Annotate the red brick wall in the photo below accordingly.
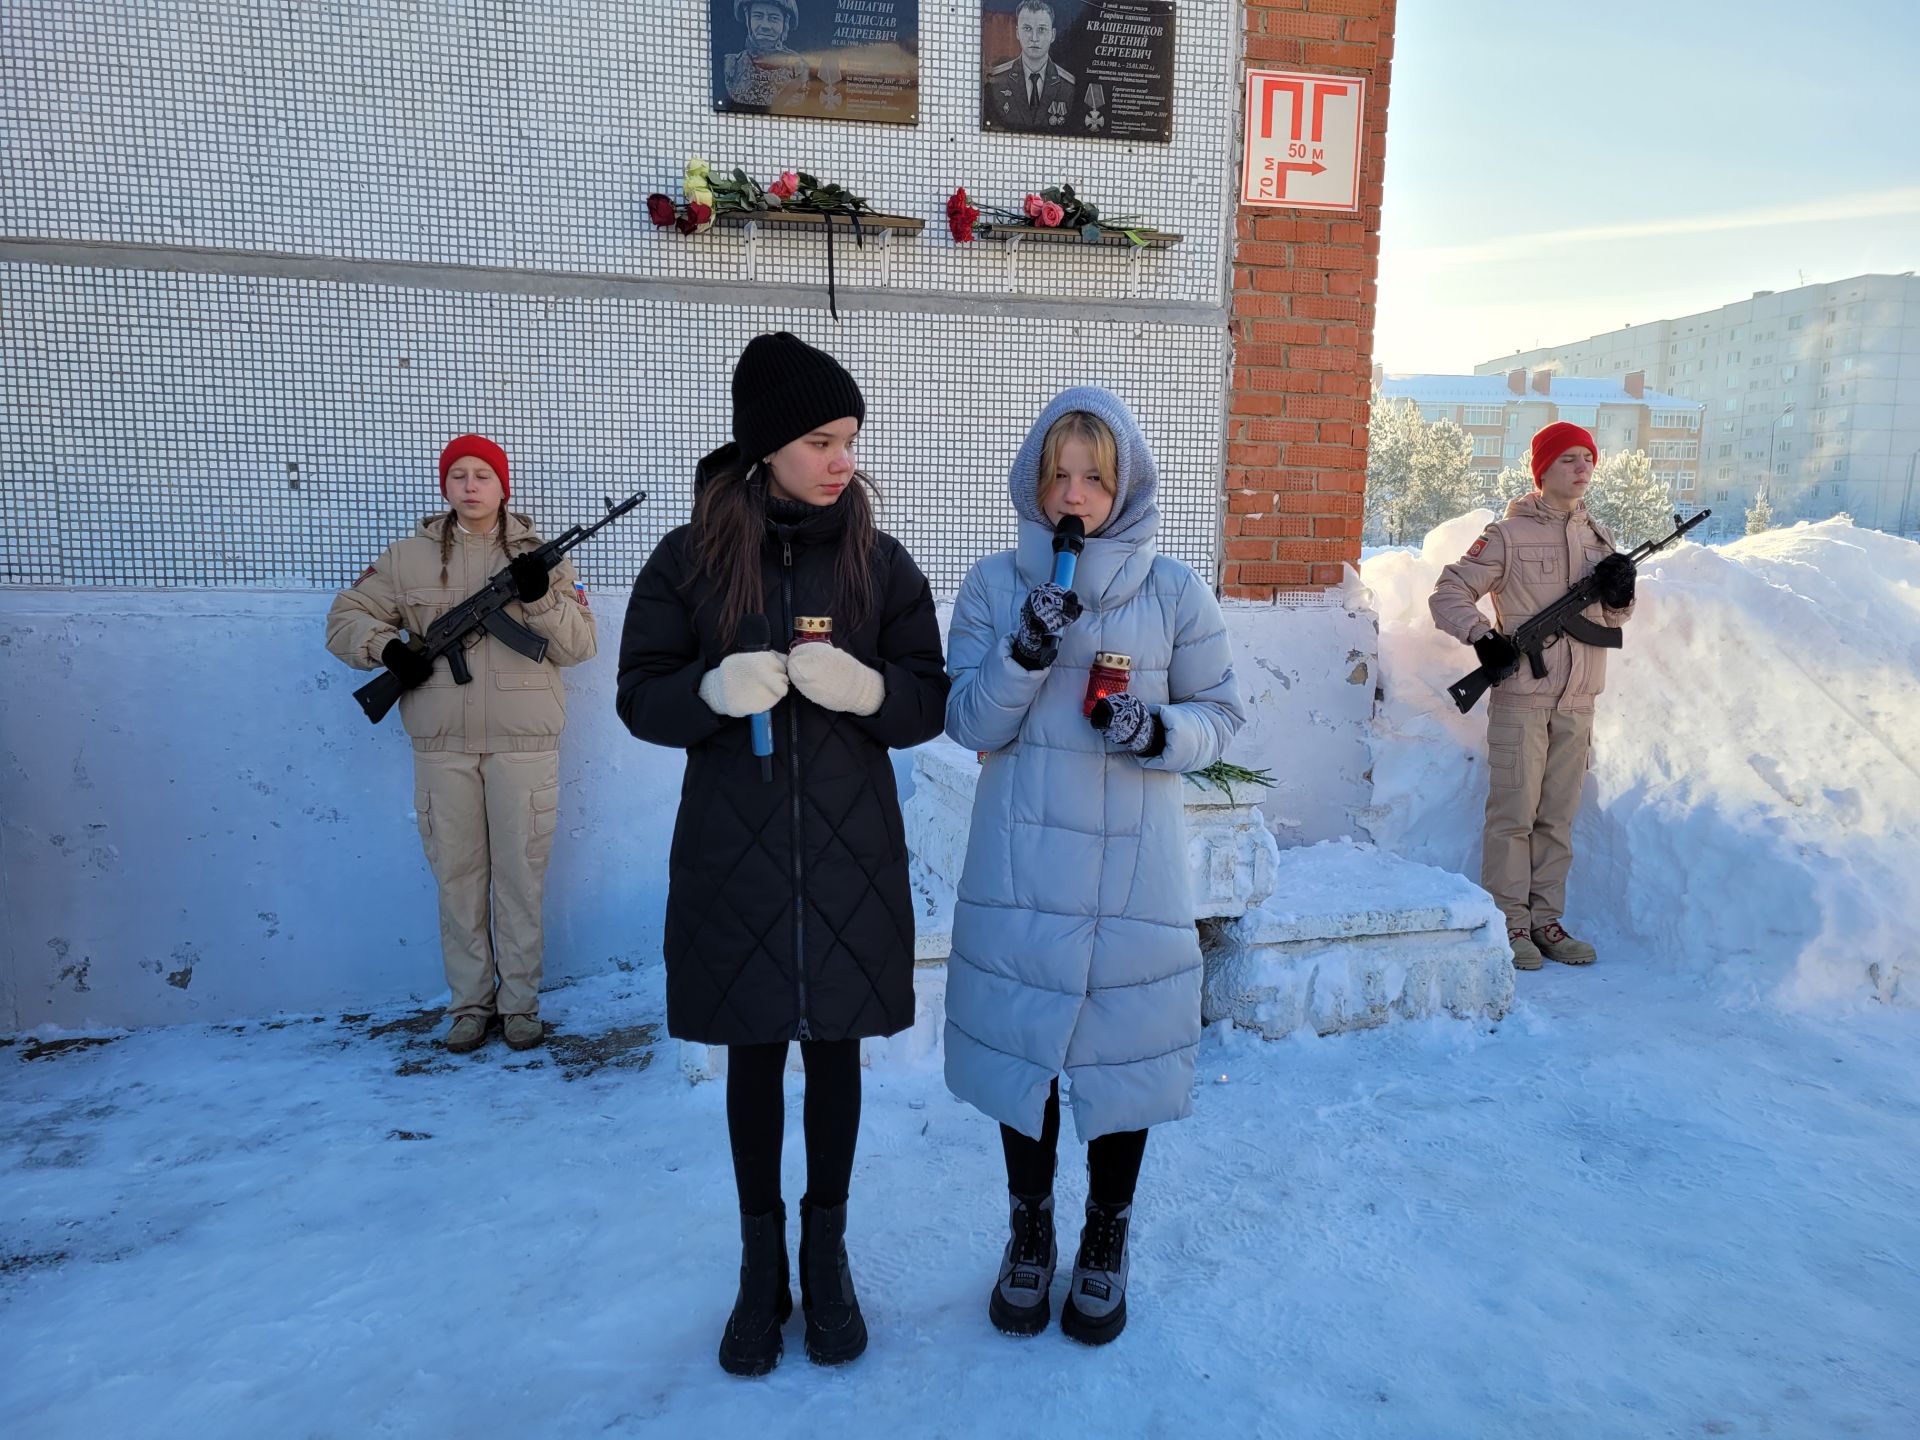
(1303, 303)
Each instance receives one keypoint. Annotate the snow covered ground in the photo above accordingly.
(1627, 1210)
(1672, 1195)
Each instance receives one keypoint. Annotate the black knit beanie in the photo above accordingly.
(783, 388)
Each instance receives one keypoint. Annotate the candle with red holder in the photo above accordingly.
(1107, 677)
(811, 630)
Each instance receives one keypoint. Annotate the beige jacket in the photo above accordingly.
(1526, 562)
(513, 703)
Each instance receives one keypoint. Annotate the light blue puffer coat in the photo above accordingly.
(1074, 945)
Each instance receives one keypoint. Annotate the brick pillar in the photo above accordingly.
(1303, 304)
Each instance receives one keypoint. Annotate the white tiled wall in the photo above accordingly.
(154, 418)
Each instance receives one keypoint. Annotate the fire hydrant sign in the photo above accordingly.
(1303, 140)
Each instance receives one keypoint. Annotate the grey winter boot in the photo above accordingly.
(836, 1331)
(751, 1344)
(1019, 1305)
(1556, 944)
(1096, 1308)
(1526, 954)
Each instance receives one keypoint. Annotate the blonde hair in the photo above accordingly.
(1079, 425)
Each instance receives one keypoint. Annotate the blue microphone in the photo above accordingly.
(754, 636)
(1069, 539)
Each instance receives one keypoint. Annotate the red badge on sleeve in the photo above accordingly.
(1478, 546)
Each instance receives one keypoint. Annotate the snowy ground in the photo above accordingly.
(1627, 1210)
(1673, 1195)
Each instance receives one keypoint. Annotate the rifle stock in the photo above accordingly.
(1467, 690)
(379, 695)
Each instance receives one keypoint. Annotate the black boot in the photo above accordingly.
(1096, 1308)
(751, 1343)
(836, 1332)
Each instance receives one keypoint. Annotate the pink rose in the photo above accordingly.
(786, 187)
(1051, 214)
(1034, 202)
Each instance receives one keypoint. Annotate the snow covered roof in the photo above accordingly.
(1493, 390)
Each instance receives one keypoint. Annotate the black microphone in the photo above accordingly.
(754, 636)
(1069, 539)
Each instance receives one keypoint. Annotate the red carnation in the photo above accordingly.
(661, 210)
(961, 216)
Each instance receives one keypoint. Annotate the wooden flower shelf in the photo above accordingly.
(1150, 239)
(881, 227)
(815, 220)
(1013, 236)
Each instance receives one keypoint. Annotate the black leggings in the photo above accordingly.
(1113, 1161)
(757, 1120)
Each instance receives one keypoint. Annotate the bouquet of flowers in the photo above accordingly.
(736, 192)
(1054, 208)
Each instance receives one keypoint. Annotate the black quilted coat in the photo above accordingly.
(788, 913)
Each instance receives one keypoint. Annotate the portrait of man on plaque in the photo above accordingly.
(817, 59)
(1031, 91)
(1092, 69)
(767, 68)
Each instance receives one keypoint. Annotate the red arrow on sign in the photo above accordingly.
(1283, 166)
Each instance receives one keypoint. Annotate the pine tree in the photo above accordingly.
(1417, 474)
(1625, 497)
(1494, 491)
(1759, 514)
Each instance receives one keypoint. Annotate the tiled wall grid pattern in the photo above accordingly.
(1302, 319)
(178, 429)
(154, 421)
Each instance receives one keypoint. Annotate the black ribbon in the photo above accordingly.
(859, 238)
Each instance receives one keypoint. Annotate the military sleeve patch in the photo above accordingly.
(1473, 552)
(580, 595)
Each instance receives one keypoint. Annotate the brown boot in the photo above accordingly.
(523, 1031)
(1556, 944)
(469, 1032)
(1526, 955)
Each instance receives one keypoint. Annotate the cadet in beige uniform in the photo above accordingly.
(486, 755)
(1538, 728)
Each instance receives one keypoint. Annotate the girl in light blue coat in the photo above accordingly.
(1074, 947)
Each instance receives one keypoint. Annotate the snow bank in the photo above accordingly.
(1753, 807)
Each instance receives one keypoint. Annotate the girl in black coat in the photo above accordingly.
(788, 913)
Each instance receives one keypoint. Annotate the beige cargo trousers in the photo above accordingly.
(1536, 765)
(487, 822)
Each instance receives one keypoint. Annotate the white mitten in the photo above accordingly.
(745, 684)
(834, 680)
